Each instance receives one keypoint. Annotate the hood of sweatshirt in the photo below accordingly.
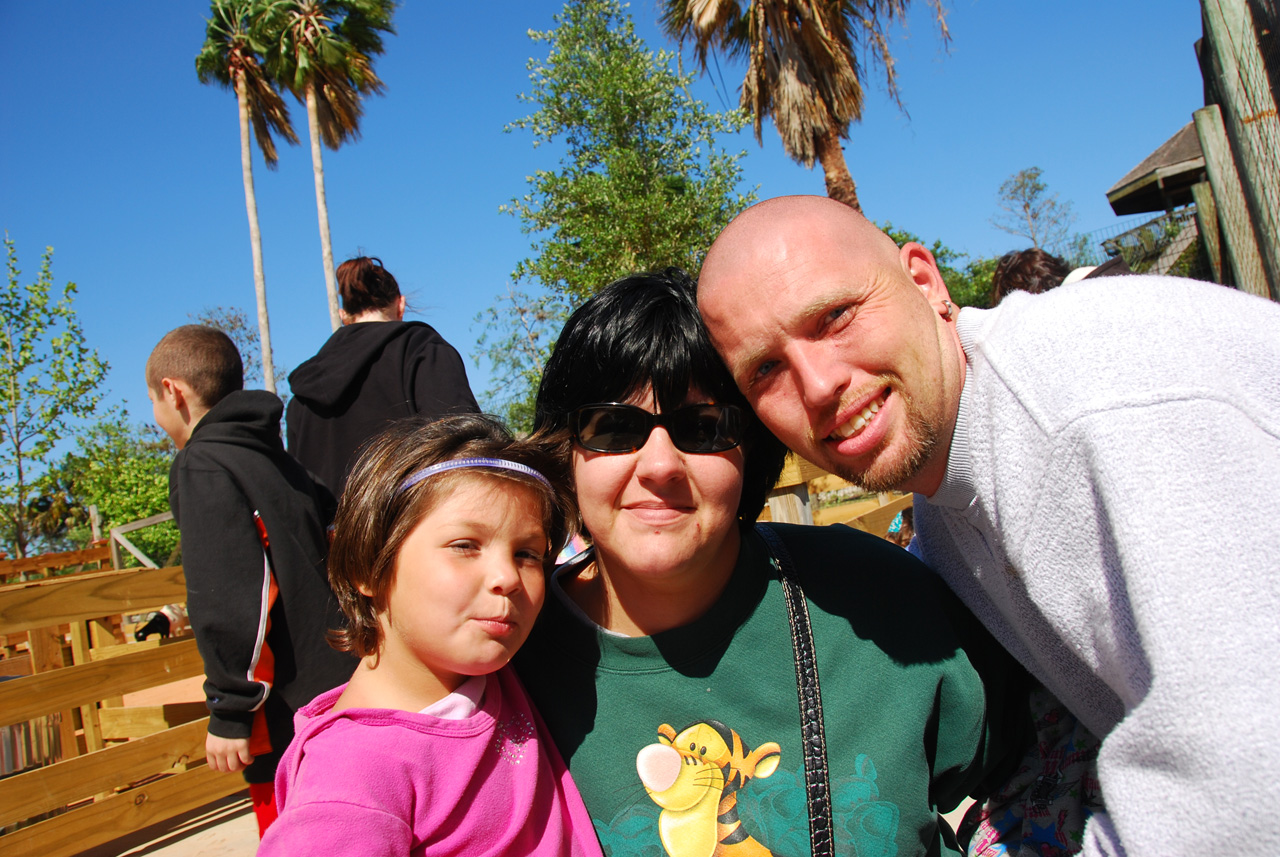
(247, 418)
(343, 359)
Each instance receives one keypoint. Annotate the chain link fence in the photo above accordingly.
(1167, 244)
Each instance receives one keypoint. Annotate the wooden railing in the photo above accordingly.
(40, 566)
(121, 768)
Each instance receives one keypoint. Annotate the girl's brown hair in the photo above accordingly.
(364, 285)
(375, 517)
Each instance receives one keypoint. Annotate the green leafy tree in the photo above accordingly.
(123, 469)
(231, 56)
(968, 278)
(642, 183)
(323, 53)
(803, 66)
(1028, 209)
(49, 379)
(519, 331)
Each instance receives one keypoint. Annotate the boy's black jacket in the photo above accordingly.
(233, 465)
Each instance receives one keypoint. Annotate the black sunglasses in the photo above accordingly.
(615, 428)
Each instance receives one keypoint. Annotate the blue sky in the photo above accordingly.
(115, 155)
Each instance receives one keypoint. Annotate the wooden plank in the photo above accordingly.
(1251, 121)
(55, 560)
(39, 791)
(796, 471)
(45, 647)
(25, 698)
(790, 505)
(102, 634)
(877, 521)
(109, 652)
(88, 711)
(96, 824)
(1207, 220)
(16, 665)
(137, 721)
(49, 602)
(1233, 209)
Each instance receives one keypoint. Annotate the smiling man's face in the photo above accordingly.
(840, 340)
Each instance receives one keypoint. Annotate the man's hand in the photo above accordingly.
(227, 755)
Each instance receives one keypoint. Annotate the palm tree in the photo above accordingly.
(802, 68)
(323, 55)
(230, 57)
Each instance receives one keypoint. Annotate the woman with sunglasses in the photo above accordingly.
(664, 661)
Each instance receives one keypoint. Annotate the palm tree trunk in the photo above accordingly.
(840, 186)
(322, 208)
(255, 238)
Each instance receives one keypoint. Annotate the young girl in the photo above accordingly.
(442, 540)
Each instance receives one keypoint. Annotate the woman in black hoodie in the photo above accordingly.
(376, 368)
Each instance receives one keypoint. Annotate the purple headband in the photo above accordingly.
(456, 463)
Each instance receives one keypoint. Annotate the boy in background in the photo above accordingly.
(253, 551)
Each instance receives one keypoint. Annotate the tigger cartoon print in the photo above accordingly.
(695, 777)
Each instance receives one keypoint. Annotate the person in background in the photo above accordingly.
(374, 369)
(1032, 270)
(253, 553)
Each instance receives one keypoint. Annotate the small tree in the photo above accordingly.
(1028, 210)
(642, 183)
(123, 469)
(49, 378)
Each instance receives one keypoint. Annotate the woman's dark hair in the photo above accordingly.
(1032, 270)
(375, 516)
(364, 285)
(645, 331)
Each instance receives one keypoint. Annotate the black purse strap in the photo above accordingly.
(817, 783)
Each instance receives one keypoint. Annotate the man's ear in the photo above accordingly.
(920, 266)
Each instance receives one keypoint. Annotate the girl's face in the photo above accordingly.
(659, 514)
(467, 586)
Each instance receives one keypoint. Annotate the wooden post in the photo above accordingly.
(45, 646)
(790, 505)
(1237, 226)
(1250, 118)
(89, 712)
(1207, 220)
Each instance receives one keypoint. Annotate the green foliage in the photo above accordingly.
(642, 184)
(968, 278)
(524, 327)
(327, 47)
(1028, 210)
(236, 38)
(49, 380)
(123, 469)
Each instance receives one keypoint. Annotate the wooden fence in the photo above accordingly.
(120, 768)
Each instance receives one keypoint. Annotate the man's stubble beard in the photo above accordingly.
(923, 437)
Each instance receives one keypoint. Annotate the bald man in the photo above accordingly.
(1097, 471)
